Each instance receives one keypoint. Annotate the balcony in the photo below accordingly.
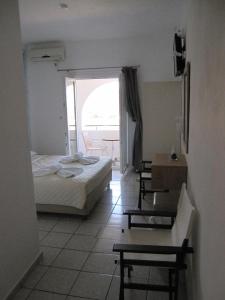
(93, 105)
(100, 140)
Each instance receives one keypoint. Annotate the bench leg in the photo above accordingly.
(139, 200)
(129, 221)
(176, 284)
(170, 285)
(140, 194)
(121, 297)
(130, 269)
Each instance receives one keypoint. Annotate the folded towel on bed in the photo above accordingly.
(48, 170)
(71, 158)
(69, 172)
(89, 160)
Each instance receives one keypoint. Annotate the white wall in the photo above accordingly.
(46, 95)
(161, 105)
(46, 87)
(152, 53)
(18, 226)
(206, 158)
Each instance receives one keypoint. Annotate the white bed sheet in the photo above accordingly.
(52, 189)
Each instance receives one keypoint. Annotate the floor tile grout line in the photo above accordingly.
(79, 223)
(63, 248)
(28, 295)
(69, 294)
(51, 265)
(86, 261)
(49, 292)
(47, 268)
(109, 288)
(88, 258)
(89, 252)
(50, 228)
(78, 274)
(56, 246)
(79, 271)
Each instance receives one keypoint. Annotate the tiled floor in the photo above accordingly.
(78, 262)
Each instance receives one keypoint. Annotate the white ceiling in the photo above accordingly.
(43, 20)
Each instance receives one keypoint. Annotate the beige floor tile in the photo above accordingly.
(67, 225)
(81, 242)
(49, 254)
(56, 239)
(113, 293)
(104, 245)
(111, 232)
(42, 234)
(71, 259)
(57, 280)
(34, 276)
(118, 219)
(119, 209)
(91, 285)
(89, 229)
(22, 294)
(46, 221)
(40, 295)
(100, 263)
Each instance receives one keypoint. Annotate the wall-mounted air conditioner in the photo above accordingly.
(49, 52)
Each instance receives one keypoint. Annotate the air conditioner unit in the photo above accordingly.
(41, 53)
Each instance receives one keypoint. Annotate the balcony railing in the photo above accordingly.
(102, 127)
(101, 134)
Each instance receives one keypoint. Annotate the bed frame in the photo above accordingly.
(92, 198)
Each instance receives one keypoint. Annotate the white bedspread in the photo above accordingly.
(53, 189)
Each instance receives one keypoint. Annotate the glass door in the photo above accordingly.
(71, 133)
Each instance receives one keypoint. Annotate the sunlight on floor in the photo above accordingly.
(116, 175)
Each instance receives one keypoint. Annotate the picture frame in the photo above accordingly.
(186, 106)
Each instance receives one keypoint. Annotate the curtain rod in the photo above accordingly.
(97, 68)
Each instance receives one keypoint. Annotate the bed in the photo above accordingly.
(76, 195)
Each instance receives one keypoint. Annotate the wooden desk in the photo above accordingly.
(167, 173)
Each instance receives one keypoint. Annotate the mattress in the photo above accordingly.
(68, 192)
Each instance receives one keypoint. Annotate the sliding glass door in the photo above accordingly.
(71, 132)
(97, 119)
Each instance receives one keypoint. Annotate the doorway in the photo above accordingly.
(71, 130)
(93, 117)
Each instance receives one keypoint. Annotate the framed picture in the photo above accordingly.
(186, 105)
